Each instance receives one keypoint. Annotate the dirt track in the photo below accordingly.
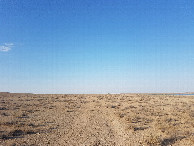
(96, 125)
(131, 119)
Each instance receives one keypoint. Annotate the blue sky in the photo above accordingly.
(96, 46)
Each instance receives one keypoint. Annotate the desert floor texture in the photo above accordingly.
(106, 119)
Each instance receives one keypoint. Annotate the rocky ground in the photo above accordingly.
(117, 119)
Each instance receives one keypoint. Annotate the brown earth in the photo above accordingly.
(111, 119)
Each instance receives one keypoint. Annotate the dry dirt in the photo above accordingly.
(117, 119)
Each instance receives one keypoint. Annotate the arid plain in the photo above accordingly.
(104, 119)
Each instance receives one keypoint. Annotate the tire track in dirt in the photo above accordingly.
(96, 126)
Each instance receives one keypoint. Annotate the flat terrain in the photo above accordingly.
(117, 119)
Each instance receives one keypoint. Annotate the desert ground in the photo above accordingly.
(104, 119)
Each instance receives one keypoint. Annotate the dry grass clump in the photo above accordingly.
(153, 140)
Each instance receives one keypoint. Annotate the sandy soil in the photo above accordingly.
(119, 119)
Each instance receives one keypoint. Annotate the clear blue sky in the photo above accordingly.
(96, 46)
